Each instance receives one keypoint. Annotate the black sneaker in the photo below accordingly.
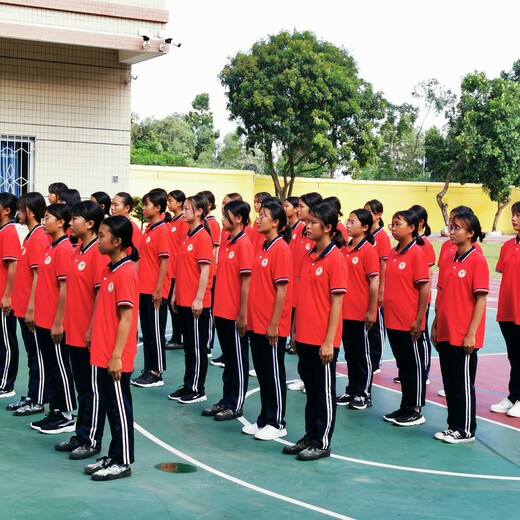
(60, 424)
(397, 380)
(172, 345)
(410, 418)
(301, 445)
(112, 472)
(84, 452)
(218, 362)
(344, 400)
(148, 379)
(228, 415)
(391, 417)
(29, 409)
(69, 445)
(313, 453)
(7, 393)
(49, 417)
(18, 404)
(180, 392)
(100, 463)
(213, 410)
(360, 402)
(193, 397)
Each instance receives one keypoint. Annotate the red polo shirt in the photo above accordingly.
(321, 275)
(9, 251)
(235, 258)
(224, 234)
(52, 269)
(301, 249)
(177, 228)
(83, 280)
(460, 279)
(382, 243)
(509, 296)
(296, 231)
(119, 288)
(363, 264)
(448, 250)
(215, 229)
(406, 270)
(343, 229)
(271, 265)
(195, 249)
(257, 239)
(31, 254)
(155, 244)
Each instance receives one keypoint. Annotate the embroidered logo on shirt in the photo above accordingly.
(319, 271)
(148, 239)
(111, 287)
(402, 265)
(174, 229)
(265, 261)
(190, 247)
(231, 255)
(355, 260)
(48, 260)
(462, 273)
(308, 247)
(81, 266)
(294, 236)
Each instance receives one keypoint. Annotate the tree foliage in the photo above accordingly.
(301, 102)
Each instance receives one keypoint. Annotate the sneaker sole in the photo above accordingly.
(8, 394)
(64, 429)
(360, 407)
(417, 422)
(124, 474)
(16, 413)
(449, 440)
(198, 400)
(175, 398)
(74, 456)
(282, 433)
(148, 385)
(218, 364)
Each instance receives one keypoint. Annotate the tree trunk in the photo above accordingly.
(500, 207)
(440, 195)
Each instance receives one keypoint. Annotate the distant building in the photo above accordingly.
(65, 81)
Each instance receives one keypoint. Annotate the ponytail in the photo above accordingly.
(275, 207)
(121, 227)
(376, 207)
(471, 223)
(422, 214)
(411, 218)
(327, 214)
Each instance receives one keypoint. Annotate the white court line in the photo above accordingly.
(235, 480)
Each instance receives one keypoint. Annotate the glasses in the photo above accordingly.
(396, 225)
(261, 217)
(50, 218)
(455, 229)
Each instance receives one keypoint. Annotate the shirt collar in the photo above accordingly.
(461, 259)
(325, 252)
(361, 244)
(296, 224)
(84, 249)
(267, 247)
(374, 233)
(119, 263)
(60, 240)
(28, 236)
(196, 230)
(238, 236)
(6, 224)
(517, 239)
(407, 248)
(157, 224)
(175, 219)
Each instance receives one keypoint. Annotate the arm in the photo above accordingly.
(115, 365)
(6, 299)
(157, 293)
(244, 293)
(57, 326)
(279, 300)
(327, 347)
(416, 328)
(29, 315)
(373, 288)
(196, 306)
(381, 283)
(478, 311)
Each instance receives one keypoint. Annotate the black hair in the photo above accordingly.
(61, 212)
(293, 201)
(89, 210)
(275, 207)
(8, 201)
(211, 199)
(121, 227)
(234, 196)
(157, 197)
(261, 195)
(411, 218)
(335, 203)
(461, 209)
(239, 208)
(327, 213)
(515, 208)
(178, 195)
(376, 207)
(104, 200)
(34, 202)
(365, 217)
(57, 188)
(472, 223)
(422, 214)
(70, 196)
(127, 199)
(311, 199)
(200, 201)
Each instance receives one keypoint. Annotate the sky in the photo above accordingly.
(395, 43)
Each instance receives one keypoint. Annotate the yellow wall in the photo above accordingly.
(353, 194)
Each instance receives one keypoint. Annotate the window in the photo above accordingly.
(16, 164)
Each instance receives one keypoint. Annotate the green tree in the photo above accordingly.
(301, 102)
(234, 154)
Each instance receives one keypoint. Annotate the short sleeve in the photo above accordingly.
(126, 289)
(501, 257)
(62, 261)
(281, 260)
(421, 269)
(245, 259)
(371, 261)
(338, 275)
(100, 262)
(481, 275)
(383, 245)
(162, 243)
(204, 249)
(11, 246)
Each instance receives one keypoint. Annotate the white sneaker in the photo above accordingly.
(269, 433)
(440, 435)
(376, 371)
(514, 411)
(503, 406)
(252, 373)
(442, 392)
(251, 429)
(296, 385)
(427, 381)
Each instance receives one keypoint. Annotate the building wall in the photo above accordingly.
(75, 102)
(394, 195)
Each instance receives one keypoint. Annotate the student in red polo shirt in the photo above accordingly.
(269, 319)
(359, 309)
(317, 329)
(458, 328)
(177, 230)
(113, 347)
(103, 199)
(31, 209)
(83, 280)
(336, 203)
(508, 314)
(257, 239)
(49, 311)
(122, 204)
(376, 333)
(154, 286)
(407, 285)
(230, 308)
(9, 254)
(290, 205)
(192, 299)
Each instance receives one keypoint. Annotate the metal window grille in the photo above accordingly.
(16, 164)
